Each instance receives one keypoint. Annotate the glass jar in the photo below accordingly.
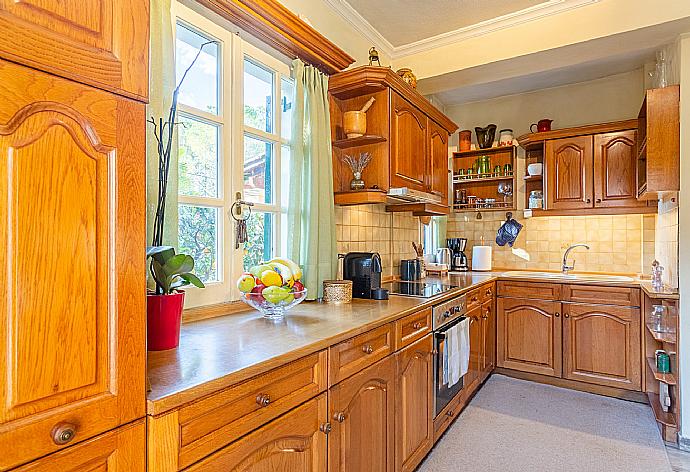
(536, 199)
(662, 319)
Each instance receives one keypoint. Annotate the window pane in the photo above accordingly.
(198, 234)
(198, 158)
(259, 248)
(287, 93)
(200, 87)
(285, 177)
(258, 96)
(258, 170)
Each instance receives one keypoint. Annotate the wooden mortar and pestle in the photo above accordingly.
(355, 122)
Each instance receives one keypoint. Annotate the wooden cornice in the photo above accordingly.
(370, 79)
(531, 139)
(281, 29)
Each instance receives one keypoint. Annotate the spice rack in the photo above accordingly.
(484, 186)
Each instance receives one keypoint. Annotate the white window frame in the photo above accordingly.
(232, 51)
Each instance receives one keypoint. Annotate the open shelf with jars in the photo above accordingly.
(484, 179)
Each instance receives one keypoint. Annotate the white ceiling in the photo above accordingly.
(406, 21)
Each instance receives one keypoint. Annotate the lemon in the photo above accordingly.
(271, 278)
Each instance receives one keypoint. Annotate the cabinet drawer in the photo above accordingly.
(120, 450)
(411, 328)
(214, 422)
(353, 355)
(474, 298)
(521, 289)
(487, 292)
(621, 296)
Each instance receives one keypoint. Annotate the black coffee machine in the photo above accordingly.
(458, 259)
(364, 269)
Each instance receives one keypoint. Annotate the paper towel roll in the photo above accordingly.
(481, 258)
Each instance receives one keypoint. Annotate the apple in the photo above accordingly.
(246, 282)
(257, 270)
(298, 286)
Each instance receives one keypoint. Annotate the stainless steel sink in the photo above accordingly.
(561, 276)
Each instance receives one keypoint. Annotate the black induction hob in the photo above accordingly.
(417, 289)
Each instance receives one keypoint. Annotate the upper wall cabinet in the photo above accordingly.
(658, 143)
(104, 44)
(405, 134)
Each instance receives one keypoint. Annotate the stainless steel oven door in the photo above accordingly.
(443, 393)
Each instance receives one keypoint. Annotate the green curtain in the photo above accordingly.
(311, 214)
(161, 86)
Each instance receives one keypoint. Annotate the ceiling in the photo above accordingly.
(403, 22)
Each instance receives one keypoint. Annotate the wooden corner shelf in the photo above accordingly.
(492, 178)
(365, 140)
(360, 197)
(668, 338)
(480, 152)
(669, 378)
(664, 417)
(419, 209)
(533, 178)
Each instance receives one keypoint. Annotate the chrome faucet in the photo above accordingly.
(566, 268)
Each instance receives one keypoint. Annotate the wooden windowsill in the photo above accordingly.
(204, 312)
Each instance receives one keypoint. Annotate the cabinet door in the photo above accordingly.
(437, 174)
(601, 345)
(362, 411)
(414, 406)
(121, 450)
(72, 301)
(569, 173)
(529, 335)
(104, 43)
(615, 162)
(294, 442)
(408, 145)
(476, 349)
(488, 337)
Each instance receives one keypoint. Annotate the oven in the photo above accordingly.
(445, 316)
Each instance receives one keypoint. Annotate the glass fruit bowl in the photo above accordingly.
(272, 306)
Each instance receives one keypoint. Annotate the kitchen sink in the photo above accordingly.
(561, 276)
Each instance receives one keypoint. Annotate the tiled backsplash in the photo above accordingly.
(621, 243)
(370, 228)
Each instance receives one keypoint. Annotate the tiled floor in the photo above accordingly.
(680, 460)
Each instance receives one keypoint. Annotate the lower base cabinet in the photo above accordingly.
(362, 414)
(414, 406)
(120, 450)
(295, 442)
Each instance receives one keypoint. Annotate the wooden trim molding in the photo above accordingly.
(531, 139)
(281, 29)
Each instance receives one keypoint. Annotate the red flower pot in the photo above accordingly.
(164, 314)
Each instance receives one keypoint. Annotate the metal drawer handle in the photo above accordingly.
(489, 293)
(557, 315)
(367, 349)
(566, 315)
(263, 399)
(417, 325)
(325, 428)
(63, 433)
(449, 413)
(339, 416)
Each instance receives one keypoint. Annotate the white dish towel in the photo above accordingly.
(458, 351)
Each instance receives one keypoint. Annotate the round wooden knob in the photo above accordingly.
(367, 349)
(339, 417)
(63, 433)
(263, 399)
(325, 428)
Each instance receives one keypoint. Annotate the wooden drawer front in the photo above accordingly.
(214, 422)
(621, 296)
(536, 290)
(353, 355)
(120, 450)
(411, 328)
(293, 442)
(474, 299)
(487, 292)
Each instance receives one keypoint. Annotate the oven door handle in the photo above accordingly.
(442, 334)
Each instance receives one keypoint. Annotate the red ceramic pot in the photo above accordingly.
(542, 126)
(164, 314)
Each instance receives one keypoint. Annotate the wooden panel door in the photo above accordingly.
(294, 442)
(615, 161)
(72, 306)
(408, 145)
(104, 43)
(362, 412)
(601, 345)
(121, 450)
(414, 406)
(437, 174)
(569, 173)
(476, 349)
(529, 335)
(488, 337)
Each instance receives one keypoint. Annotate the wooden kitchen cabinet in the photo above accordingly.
(414, 406)
(294, 442)
(601, 345)
(362, 414)
(473, 375)
(437, 174)
(488, 321)
(569, 173)
(72, 353)
(408, 159)
(104, 44)
(528, 335)
(615, 161)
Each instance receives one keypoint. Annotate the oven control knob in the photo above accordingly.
(446, 314)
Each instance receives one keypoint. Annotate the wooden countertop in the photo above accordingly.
(219, 352)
